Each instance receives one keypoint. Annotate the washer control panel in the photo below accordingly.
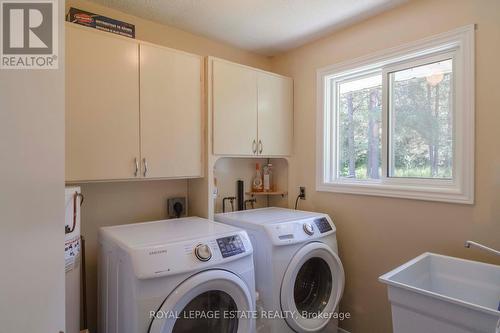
(230, 246)
(323, 224)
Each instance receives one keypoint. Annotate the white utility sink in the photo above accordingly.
(438, 294)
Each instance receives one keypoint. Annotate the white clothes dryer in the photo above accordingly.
(175, 276)
(297, 268)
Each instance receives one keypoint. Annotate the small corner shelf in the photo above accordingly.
(253, 194)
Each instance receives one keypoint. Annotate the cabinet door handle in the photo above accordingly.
(136, 167)
(254, 146)
(261, 147)
(145, 167)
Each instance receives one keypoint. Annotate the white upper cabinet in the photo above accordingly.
(102, 103)
(252, 111)
(234, 93)
(130, 119)
(275, 114)
(171, 113)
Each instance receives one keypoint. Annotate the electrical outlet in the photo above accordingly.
(302, 192)
(176, 207)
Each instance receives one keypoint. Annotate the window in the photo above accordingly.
(401, 123)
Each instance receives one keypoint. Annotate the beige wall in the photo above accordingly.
(32, 197)
(138, 201)
(377, 234)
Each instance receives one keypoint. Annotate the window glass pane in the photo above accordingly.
(360, 127)
(421, 121)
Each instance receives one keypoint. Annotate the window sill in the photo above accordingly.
(451, 194)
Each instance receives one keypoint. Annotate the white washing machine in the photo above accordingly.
(182, 275)
(297, 268)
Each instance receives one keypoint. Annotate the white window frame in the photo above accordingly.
(457, 45)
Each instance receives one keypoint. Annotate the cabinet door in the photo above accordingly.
(234, 92)
(275, 115)
(171, 113)
(102, 105)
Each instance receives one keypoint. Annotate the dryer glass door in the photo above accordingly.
(210, 301)
(206, 311)
(312, 287)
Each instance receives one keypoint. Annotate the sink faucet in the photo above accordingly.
(469, 244)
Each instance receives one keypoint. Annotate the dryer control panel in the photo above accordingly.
(323, 224)
(230, 246)
(301, 230)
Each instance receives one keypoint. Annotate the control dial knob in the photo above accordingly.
(308, 228)
(203, 252)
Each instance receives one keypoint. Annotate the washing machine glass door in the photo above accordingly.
(210, 301)
(312, 287)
